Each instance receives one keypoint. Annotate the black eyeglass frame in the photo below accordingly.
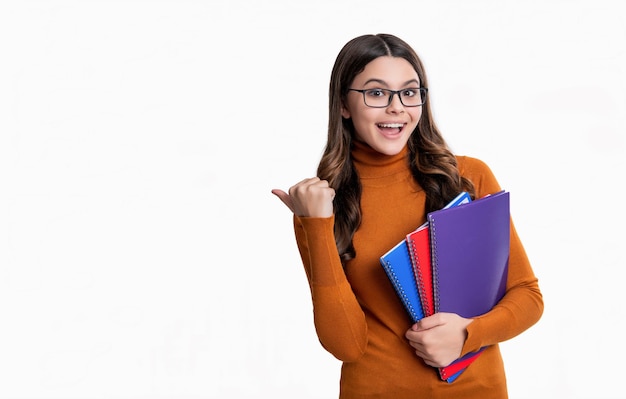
(423, 91)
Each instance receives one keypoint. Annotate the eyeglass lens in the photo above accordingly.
(383, 97)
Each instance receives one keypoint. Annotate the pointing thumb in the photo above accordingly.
(284, 197)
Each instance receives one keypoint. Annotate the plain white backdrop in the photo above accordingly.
(142, 254)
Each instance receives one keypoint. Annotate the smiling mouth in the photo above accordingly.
(391, 127)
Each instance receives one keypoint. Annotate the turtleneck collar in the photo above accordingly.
(372, 164)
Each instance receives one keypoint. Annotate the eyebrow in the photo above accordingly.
(382, 82)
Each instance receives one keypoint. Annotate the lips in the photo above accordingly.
(390, 129)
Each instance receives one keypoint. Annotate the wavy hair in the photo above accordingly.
(432, 164)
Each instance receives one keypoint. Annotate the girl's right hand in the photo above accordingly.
(311, 197)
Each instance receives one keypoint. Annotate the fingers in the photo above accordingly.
(312, 188)
(311, 197)
(438, 339)
(308, 184)
(422, 351)
(424, 348)
(429, 322)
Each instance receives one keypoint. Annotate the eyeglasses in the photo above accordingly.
(381, 98)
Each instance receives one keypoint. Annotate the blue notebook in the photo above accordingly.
(399, 269)
(460, 199)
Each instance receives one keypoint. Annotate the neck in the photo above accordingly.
(371, 163)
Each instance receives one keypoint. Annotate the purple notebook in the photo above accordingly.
(470, 255)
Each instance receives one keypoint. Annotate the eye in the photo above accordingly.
(409, 92)
(375, 93)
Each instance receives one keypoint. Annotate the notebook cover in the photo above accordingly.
(462, 198)
(419, 250)
(469, 254)
(397, 264)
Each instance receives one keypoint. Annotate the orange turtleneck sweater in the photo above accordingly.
(360, 320)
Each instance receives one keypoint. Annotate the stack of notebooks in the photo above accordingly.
(456, 262)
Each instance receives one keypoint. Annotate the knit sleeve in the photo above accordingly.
(338, 317)
(522, 304)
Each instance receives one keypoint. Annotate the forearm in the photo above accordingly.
(339, 319)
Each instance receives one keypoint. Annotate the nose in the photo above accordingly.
(395, 105)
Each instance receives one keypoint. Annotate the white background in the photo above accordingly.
(142, 254)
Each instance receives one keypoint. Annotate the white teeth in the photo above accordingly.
(391, 125)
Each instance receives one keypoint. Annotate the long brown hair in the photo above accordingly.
(432, 163)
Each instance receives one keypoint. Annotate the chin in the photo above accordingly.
(390, 150)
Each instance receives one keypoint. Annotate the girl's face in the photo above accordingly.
(386, 129)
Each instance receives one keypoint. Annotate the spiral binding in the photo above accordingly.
(396, 284)
(435, 264)
(418, 275)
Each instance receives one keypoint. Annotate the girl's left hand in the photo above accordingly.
(439, 339)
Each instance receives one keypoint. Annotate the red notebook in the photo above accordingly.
(419, 249)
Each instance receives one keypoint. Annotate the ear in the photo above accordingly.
(345, 113)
